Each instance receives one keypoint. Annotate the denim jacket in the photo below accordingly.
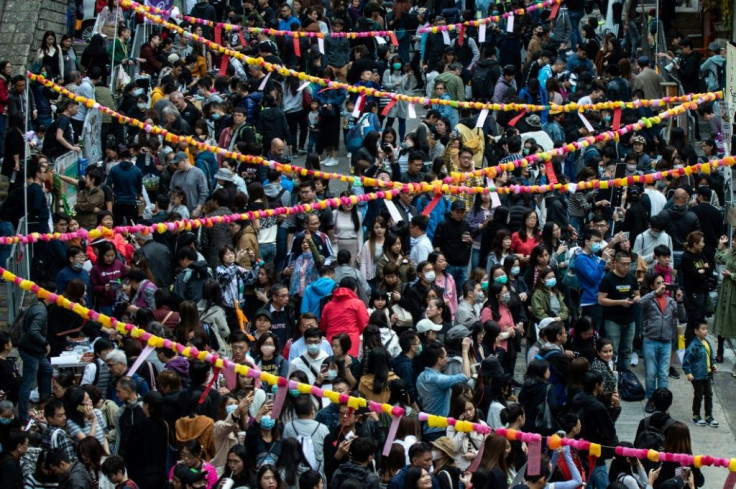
(695, 362)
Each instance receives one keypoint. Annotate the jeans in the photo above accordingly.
(282, 236)
(474, 258)
(6, 229)
(622, 337)
(575, 18)
(268, 252)
(460, 274)
(578, 223)
(598, 478)
(33, 367)
(656, 364)
(703, 388)
(595, 313)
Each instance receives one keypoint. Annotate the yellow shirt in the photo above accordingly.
(707, 354)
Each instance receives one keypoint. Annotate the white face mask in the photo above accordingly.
(429, 276)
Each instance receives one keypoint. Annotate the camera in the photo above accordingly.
(672, 65)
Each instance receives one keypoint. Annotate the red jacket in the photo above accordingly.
(3, 95)
(151, 65)
(345, 313)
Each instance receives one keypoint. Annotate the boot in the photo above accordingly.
(719, 350)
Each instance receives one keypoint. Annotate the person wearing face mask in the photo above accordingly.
(412, 299)
(547, 300)
(647, 242)
(76, 257)
(467, 310)
(262, 439)
(267, 356)
(310, 363)
(233, 416)
(496, 309)
(590, 269)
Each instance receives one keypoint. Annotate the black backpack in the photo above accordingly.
(652, 438)
(482, 82)
(275, 202)
(18, 328)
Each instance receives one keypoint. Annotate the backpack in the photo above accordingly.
(650, 437)
(211, 336)
(482, 83)
(354, 138)
(17, 329)
(555, 380)
(629, 386)
(307, 446)
(275, 202)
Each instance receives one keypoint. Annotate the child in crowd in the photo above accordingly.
(179, 203)
(313, 123)
(699, 363)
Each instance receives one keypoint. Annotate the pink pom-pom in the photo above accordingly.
(422, 416)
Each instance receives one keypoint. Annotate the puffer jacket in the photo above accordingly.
(660, 325)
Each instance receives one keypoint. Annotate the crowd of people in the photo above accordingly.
(429, 302)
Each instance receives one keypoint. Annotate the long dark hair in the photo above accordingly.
(353, 212)
(74, 397)
(522, 229)
(379, 364)
(289, 459)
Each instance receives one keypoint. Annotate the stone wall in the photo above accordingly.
(22, 25)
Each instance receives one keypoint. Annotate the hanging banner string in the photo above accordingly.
(490, 20)
(220, 363)
(436, 186)
(412, 100)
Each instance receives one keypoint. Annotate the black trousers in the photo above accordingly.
(703, 389)
(124, 213)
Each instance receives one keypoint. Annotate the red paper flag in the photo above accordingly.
(550, 171)
(207, 389)
(297, 48)
(616, 118)
(432, 204)
(476, 461)
(223, 64)
(218, 35)
(730, 481)
(553, 12)
(534, 464)
(461, 36)
(242, 37)
(394, 41)
(513, 121)
(388, 107)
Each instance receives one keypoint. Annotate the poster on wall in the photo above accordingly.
(68, 165)
(92, 137)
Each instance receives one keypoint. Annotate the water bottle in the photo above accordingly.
(82, 166)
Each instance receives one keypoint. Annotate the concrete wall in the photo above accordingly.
(22, 24)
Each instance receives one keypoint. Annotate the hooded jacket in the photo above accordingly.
(351, 470)
(126, 181)
(129, 415)
(345, 313)
(660, 325)
(103, 274)
(189, 283)
(314, 293)
(35, 330)
(678, 224)
(197, 428)
(203, 10)
(78, 476)
(597, 425)
(272, 124)
(180, 365)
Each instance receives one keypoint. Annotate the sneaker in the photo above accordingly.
(634, 359)
(649, 409)
(711, 422)
(699, 421)
(673, 373)
(302, 151)
(330, 162)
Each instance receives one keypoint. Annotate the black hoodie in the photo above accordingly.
(189, 283)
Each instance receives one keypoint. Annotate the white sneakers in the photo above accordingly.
(330, 161)
(634, 359)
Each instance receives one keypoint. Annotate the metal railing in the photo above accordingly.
(18, 263)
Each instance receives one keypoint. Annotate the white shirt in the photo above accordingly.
(420, 249)
(657, 199)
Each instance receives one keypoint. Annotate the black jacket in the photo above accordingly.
(350, 470)
(272, 124)
(597, 425)
(35, 330)
(78, 478)
(679, 223)
(448, 238)
(711, 223)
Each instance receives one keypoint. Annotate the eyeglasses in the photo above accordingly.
(624, 263)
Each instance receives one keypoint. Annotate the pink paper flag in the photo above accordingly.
(141, 358)
(391, 435)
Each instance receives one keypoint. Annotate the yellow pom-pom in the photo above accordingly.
(732, 465)
(653, 456)
(202, 355)
(8, 277)
(332, 396)
(26, 285)
(241, 369)
(304, 388)
(187, 352)
(697, 461)
(219, 363)
(595, 450)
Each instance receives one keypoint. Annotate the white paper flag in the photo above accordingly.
(380, 40)
(572, 188)
(482, 33)
(263, 83)
(321, 45)
(412, 112)
(358, 103)
(303, 86)
(446, 38)
(510, 23)
(495, 200)
(586, 122)
(482, 118)
(393, 211)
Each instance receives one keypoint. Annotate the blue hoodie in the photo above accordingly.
(314, 292)
(590, 270)
(126, 181)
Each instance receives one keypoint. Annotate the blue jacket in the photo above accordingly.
(334, 96)
(589, 270)
(314, 292)
(436, 216)
(285, 24)
(67, 274)
(206, 162)
(695, 362)
(126, 181)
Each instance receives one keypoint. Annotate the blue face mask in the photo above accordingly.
(550, 282)
(267, 423)
(312, 349)
(501, 280)
(515, 271)
(5, 420)
(215, 116)
(397, 66)
(138, 91)
(231, 408)
(596, 247)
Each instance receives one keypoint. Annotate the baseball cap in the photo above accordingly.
(426, 325)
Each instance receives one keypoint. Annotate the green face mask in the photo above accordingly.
(295, 392)
(502, 279)
(397, 66)
(419, 350)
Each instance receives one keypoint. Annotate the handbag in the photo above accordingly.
(570, 278)
(306, 100)
(629, 386)
(404, 317)
(545, 421)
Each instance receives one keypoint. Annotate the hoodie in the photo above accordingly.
(679, 223)
(272, 124)
(350, 470)
(126, 181)
(203, 10)
(314, 293)
(189, 283)
(345, 313)
(180, 365)
(103, 274)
